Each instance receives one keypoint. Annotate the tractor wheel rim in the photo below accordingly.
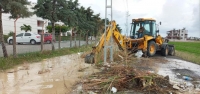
(172, 51)
(166, 51)
(152, 49)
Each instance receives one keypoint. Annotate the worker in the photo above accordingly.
(140, 31)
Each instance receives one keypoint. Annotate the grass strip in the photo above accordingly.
(189, 47)
(6, 63)
(189, 51)
(188, 57)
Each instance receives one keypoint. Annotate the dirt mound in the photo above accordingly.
(125, 78)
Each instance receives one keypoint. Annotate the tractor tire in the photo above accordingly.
(151, 48)
(165, 50)
(171, 50)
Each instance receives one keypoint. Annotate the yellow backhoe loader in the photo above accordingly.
(144, 35)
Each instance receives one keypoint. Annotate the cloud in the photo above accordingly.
(176, 14)
(172, 13)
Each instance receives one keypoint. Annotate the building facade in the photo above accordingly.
(35, 22)
(180, 34)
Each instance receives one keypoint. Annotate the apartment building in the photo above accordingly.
(35, 22)
(180, 34)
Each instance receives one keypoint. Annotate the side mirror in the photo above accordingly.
(157, 31)
(160, 23)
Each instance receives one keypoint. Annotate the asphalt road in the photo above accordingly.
(25, 48)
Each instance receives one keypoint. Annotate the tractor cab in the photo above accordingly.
(143, 26)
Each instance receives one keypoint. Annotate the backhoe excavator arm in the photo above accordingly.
(110, 31)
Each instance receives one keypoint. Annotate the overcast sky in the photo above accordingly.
(172, 13)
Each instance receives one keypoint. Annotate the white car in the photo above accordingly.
(27, 37)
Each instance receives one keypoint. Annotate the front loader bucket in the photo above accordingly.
(89, 58)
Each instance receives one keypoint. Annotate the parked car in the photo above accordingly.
(26, 37)
(47, 38)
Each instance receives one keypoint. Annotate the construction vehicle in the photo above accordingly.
(144, 36)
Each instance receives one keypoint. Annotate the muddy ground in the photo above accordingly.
(50, 76)
(66, 74)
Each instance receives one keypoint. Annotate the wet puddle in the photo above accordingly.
(58, 75)
(50, 76)
(184, 75)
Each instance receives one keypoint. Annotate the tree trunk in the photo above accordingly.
(75, 40)
(79, 41)
(14, 45)
(53, 27)
(14, 39)
(92, 38)
(87, 38)
(71, 37)
(5, 54)
(42, 40)
(59, 38)
(53, 36)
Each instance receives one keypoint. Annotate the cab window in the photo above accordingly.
(147, 27)
(154, 28)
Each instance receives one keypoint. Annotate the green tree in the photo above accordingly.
(52, 10)
(58, 30)
(26, 28)
(63, 28)
(17, 8)
(119, 28)
(98, 23)
(90, 25)
(71, 17)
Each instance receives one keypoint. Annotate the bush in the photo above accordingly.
(10, 33)
(5, 38)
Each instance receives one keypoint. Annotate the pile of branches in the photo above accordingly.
(125, 78)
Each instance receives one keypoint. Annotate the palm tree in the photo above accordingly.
(69, 15)
(26, 27)
(119, 28)
(81, 18)
(98, 24)
(91, 24)
(53, 10)
(16, 8)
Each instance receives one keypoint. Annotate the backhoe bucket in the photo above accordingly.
(89, 58)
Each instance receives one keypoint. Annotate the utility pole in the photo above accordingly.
(109, 26)
(127, 15)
